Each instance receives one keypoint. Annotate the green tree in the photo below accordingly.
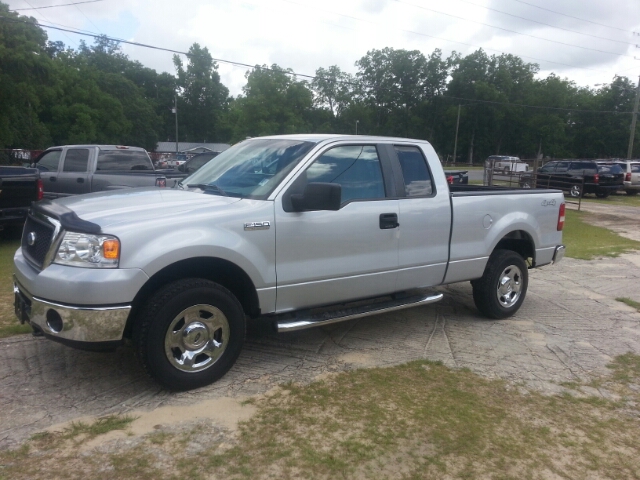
(203, 98)
(25, 74)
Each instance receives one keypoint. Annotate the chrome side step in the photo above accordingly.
(326, 318)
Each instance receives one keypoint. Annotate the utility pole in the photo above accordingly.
(357, 121)
(455, 144)
(175, 110)
(633, 121)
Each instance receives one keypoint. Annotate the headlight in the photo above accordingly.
(86, 250)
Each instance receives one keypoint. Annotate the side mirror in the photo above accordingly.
(317, 196)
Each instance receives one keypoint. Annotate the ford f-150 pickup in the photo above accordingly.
(78, 169)
(298, 231)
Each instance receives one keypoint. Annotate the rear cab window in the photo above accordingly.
(415, 172)
(76, 160)
(111, 160)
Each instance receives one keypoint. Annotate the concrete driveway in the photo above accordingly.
(569, 328)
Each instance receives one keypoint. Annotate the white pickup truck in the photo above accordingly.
(298, 231)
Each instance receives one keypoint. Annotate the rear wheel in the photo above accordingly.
(604, 194)
(190, 333)
(575, 191)
(500, 291)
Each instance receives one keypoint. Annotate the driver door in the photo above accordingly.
(325, 257)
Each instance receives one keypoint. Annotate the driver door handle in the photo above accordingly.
(388, 221)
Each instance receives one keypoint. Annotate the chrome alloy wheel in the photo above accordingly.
(196, 338)
(575, 191)
(509, 286)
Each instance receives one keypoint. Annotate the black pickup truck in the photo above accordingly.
(78, 169)
(19, 187)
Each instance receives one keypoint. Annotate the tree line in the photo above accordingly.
(51, 94)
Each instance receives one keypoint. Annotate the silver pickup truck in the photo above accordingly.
(79, 169)
(297, 231)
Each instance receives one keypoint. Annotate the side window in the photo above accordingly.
(50, 161)
(562, 167)
(548, 168)
(76, 160)
(355, 168)
(635, 168)
(417, 179)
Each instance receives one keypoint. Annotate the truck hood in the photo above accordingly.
(140, 205)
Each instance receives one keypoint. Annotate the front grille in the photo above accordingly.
(43, 232)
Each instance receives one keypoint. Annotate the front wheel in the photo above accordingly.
(190, 333)
(604, 194)
(500, 291)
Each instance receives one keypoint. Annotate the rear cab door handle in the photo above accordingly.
(388, 221)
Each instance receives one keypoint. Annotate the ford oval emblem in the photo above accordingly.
(31, 239)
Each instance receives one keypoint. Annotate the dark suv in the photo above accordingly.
(578, 177)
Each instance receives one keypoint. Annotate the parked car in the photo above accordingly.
(457, 177)
(579, 177)
(19, 187)
(631, 169)
(196, 162)
(78, 169)
(506, 165)
(295, 231)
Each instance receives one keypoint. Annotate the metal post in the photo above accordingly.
(175, 110)
(455, 144)
(633, 121)
(357, 126)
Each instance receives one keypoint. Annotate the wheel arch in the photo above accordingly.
(520, 242)
(218, 270)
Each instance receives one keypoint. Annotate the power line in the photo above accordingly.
(546, 24)
(571, 16)
(54, 6)
(446, 39)
(513, 31)
(292, 73)
(42, 15)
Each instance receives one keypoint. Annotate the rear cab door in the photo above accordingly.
(73, 177)
(424, 216)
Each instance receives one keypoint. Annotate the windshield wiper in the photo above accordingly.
(208, 187)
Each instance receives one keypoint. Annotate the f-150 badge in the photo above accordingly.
(257, 226)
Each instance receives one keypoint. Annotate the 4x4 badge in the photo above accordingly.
(549, 203)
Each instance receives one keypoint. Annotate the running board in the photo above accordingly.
(336, 316)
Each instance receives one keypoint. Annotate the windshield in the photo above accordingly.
(251, 169)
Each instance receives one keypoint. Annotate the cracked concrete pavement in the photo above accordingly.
(569, 328)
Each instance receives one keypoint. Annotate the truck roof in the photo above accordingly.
(321, 137)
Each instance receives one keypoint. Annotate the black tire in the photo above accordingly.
(506, 170)
(494, 301)
(575, 191)
(604, 194)
(208, 329)
(632, 192)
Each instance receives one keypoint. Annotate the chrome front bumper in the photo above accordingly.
(558, 254)
(68, 323)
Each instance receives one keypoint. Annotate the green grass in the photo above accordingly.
(413, 421)
(587, 242)
(617, 199)
(9, 324)
(628, 301)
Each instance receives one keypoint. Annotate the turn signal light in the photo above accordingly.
(111, 249)
(596, 178)
(561, 217)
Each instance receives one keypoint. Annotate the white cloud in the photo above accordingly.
(306, 34)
